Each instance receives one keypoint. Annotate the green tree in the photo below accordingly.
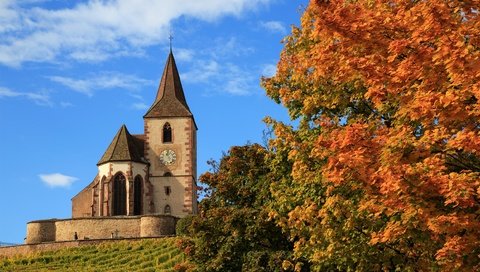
(233, 231)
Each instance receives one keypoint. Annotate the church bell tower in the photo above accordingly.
(171, 147)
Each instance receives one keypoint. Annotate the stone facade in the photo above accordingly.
(96, 198)
(181, 182)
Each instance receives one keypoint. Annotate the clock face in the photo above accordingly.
(168, 157)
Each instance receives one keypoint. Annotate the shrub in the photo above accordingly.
(183, 225)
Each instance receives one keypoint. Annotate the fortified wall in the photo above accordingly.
(86, 228)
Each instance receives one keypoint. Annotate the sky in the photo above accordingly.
(72, 72)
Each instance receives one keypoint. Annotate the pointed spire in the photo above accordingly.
(124, 147)
(170, 100)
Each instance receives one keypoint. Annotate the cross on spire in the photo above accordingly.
(170, 37)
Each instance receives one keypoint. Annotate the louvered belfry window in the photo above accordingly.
(167, 133)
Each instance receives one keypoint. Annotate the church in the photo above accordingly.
(145, 182)
(153, 172)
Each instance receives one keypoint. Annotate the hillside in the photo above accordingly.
(143, 255)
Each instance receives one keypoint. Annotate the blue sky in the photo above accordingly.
(72, 72)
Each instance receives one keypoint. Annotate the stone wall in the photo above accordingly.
(98, 228)
(55, 230)
(150, 226)
(40, 231)
(82, 202)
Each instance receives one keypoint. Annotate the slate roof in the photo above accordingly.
(170, 100)
(124, 147)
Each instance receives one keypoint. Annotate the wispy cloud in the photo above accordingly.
(105, 80)
(39, 98)
(230, 48)
(219, 68)
(274, 26)
(97, 30)
(269, 70)
(240, 81)
(64, 104)
(140, 106)
(202, 71)
(57, 180)
(183, 54)
(222, 77)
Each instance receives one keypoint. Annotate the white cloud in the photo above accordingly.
(105, 80)
(274, 26)
(184, 54)
(231, 47)
(239, 81)
(65, 104)
(202, 71)
(222, 77)
(9, 19)
(57, 180)
(269, 70)
(140, 106)
(4, 92)
(218, 68)
(39, 98)
(96, 30)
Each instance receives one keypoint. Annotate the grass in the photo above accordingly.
(142, 255)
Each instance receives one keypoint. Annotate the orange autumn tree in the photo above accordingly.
(386, 157)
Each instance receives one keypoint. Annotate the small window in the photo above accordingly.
(167, 133)
(167, 174)
(167, 209)
(168, 190)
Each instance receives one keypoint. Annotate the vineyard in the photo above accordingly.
(143, 255)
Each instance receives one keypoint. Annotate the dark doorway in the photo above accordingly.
(119, 195)
(137, 196)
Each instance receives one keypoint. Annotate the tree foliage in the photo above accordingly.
(385, 161)
(233, 231)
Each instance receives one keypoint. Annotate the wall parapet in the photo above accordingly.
(88, 228)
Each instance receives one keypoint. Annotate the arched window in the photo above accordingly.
(167, 133)
(137, 195)
(167, 209)
(119, 195)
(167, 174)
